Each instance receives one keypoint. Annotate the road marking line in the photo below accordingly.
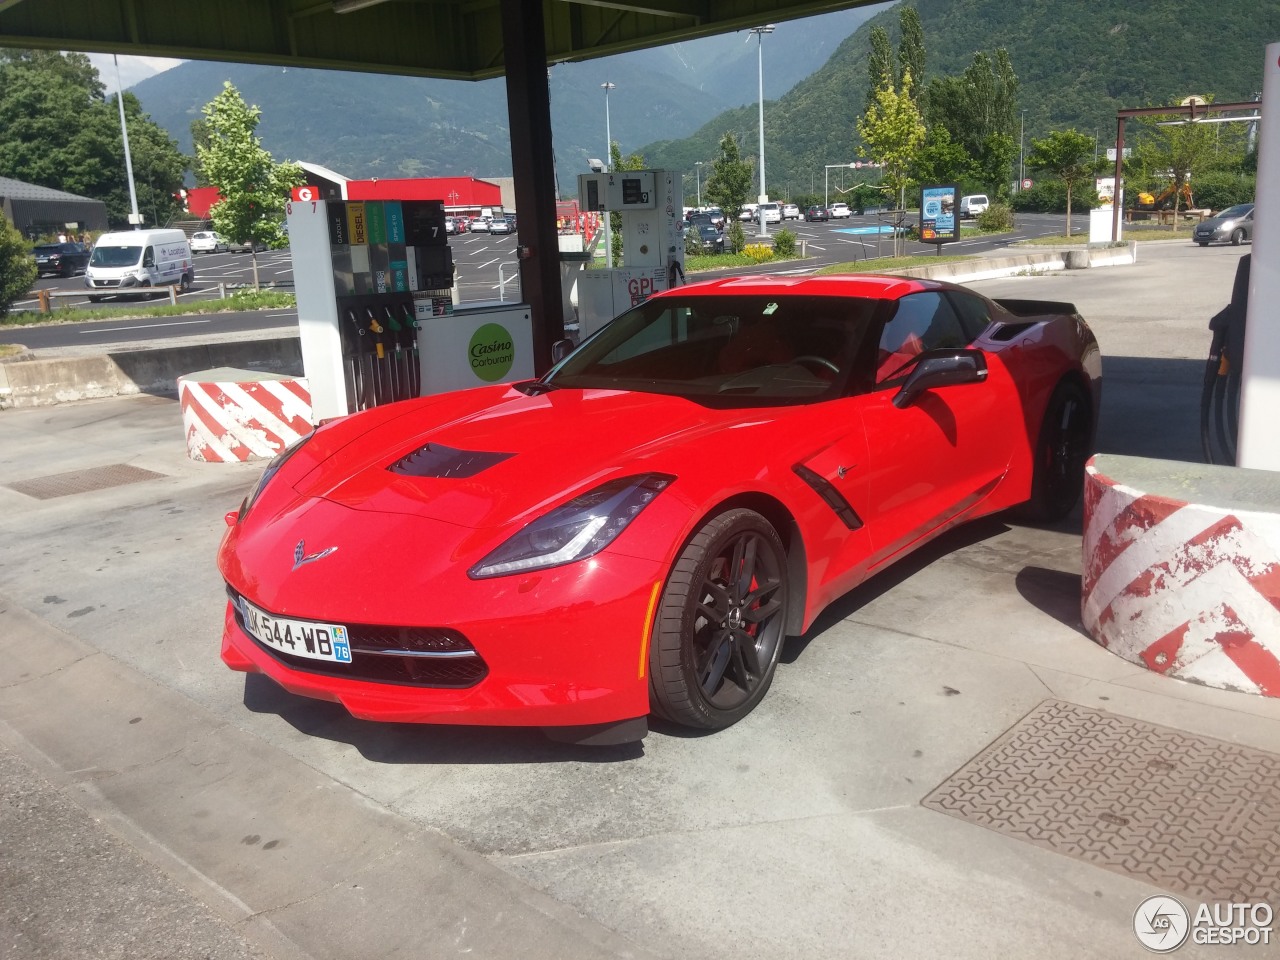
(490, 263)
(144, 326)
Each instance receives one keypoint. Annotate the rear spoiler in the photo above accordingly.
(1038, 308)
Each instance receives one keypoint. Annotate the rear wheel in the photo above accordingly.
(1061, 452)
(1237, 236)
(184, 285)
(721, 623)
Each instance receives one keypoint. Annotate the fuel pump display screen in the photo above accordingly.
(424, 223)
(633, 192)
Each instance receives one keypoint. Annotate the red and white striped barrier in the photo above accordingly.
(1185, 589)
(235, 415)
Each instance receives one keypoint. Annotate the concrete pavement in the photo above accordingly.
(800, 832)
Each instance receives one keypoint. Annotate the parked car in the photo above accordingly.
(1234, 224)
(247, 247)
(817, 214)
(544, 534)
(717, 216)
(460, 223)
(500, 225)
(64, 259)
(206, 241)
(701, 219)
(480, 225)
(790, 211)
(705, 237)
(748, 212)
(973, 205)
(769, 213)
(840, 211)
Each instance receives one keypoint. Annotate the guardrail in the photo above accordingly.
(46, 297)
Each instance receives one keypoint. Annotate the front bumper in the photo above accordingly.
(560, 647)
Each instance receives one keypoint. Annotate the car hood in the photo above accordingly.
(487, 457)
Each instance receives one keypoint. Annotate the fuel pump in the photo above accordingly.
(651, 204)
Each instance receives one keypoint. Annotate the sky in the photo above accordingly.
(132, 69)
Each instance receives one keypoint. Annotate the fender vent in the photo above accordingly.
(435, 460)
(830, 495)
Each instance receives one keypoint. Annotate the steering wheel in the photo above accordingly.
(817, 361)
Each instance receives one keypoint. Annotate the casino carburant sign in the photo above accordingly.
(491, 352)
(939, 222)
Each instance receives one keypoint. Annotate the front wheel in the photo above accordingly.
(721, 623)
(1061, 451)
(1203, 243)
(1237, 236)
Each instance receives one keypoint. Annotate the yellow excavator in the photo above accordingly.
(1164, 200)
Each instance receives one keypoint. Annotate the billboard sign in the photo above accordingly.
(939, 208)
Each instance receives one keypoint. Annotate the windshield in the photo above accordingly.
(115, 256)
(724, 350)
(1239, 210)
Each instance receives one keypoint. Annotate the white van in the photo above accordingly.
(125, 262)
(972, 206)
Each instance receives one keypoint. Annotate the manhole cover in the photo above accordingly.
(82, 481)
(1185, 813)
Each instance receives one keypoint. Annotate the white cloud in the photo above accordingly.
(132, 69)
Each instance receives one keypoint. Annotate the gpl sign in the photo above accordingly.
(640, 289)
(306, 193)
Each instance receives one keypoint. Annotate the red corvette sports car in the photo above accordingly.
(640, 529)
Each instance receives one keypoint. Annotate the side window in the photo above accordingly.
(922, 321)
(975, 315)
(149, 258)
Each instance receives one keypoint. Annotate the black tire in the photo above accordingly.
(1237, 236)
(1062, 449)
(93, 299)
(184, 285)
(1203, 243)
(717, 637)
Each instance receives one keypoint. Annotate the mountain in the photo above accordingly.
(1077, 63)
(370, 125)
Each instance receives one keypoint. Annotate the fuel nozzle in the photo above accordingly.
(376, 327)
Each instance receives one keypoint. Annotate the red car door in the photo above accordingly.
(931, 463)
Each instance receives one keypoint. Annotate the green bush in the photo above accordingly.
(784, 243)
(735, 238)
(17, 266)
(1220, 189)
(998, 217)
(1050, 196)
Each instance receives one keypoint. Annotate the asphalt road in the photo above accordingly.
(487, 270)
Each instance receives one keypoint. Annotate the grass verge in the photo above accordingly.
(882, 264)
(242, 300)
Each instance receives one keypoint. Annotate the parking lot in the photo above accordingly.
(804, 831)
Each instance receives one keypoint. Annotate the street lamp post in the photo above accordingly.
(608, 163)
(697, 165)
(1022, 170)
(136, 218)
(764, 193)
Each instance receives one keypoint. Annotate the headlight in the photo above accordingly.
(575, 530)
(278, 461)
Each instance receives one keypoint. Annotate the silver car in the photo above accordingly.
(1234, 224)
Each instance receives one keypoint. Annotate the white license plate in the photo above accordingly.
(301, 638)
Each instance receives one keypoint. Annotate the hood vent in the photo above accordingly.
(435, 460)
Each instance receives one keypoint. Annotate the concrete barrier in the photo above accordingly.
(1182, 569)
(41, 382)
(231, 415)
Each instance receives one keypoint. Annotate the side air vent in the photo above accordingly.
(1008, 331)
(435, 460)
(830, 495)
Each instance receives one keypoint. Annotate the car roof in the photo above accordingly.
(875, 286)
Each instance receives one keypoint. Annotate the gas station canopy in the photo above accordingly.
(450, 39)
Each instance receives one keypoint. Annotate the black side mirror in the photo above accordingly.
(941, 368)
(561, 349)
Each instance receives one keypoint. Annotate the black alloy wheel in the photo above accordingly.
(721, 623)
(1062, 450)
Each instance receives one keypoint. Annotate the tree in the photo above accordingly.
(1066, 155)
(880, 70)
(253, 187)
(978, 109)
(17, 266)
(1175, 152)
(57, 130)
(911, 55)
(941, 160)
(730, 182)
(199, 138)
(893, 132)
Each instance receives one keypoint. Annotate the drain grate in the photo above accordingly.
(82, 481)
(1185, 813)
